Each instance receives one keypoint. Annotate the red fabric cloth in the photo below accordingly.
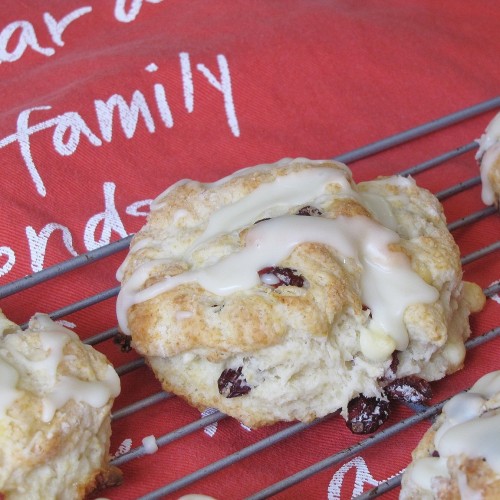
(218, 86)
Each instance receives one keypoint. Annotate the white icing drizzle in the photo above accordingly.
(380, 209)
(377, 203)
(286, 190)
(479, 437)
(53, 338)
(94, 393)
(469, 428)
(425, 469)
(388, 284)
(488, 154)
(158, 202)
(53, 343)
(488, 385)
(134, 248)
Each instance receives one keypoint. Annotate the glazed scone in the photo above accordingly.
(55, 399)
(459, 456)
(284, 291)
(488, 156)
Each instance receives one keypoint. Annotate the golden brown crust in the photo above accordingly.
(107, 477)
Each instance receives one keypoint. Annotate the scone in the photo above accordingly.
(488, 156)
(459, 456)
(285, 291)
(55, 399)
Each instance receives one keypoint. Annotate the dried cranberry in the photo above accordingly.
(232, 383)
(410, 389)
(435, 454)
(366, 415)
(123, 341)
(309, 210)
(393, 368)
(285, 276)
(390, 373)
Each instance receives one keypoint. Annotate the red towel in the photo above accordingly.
(200, 89)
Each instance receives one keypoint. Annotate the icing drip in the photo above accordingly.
(94, 393)
(53, 343)
(287, 191)
(490, 136)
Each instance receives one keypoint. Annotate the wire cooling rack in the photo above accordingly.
(385, 433)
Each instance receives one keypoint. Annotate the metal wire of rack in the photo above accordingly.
(420, 413)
